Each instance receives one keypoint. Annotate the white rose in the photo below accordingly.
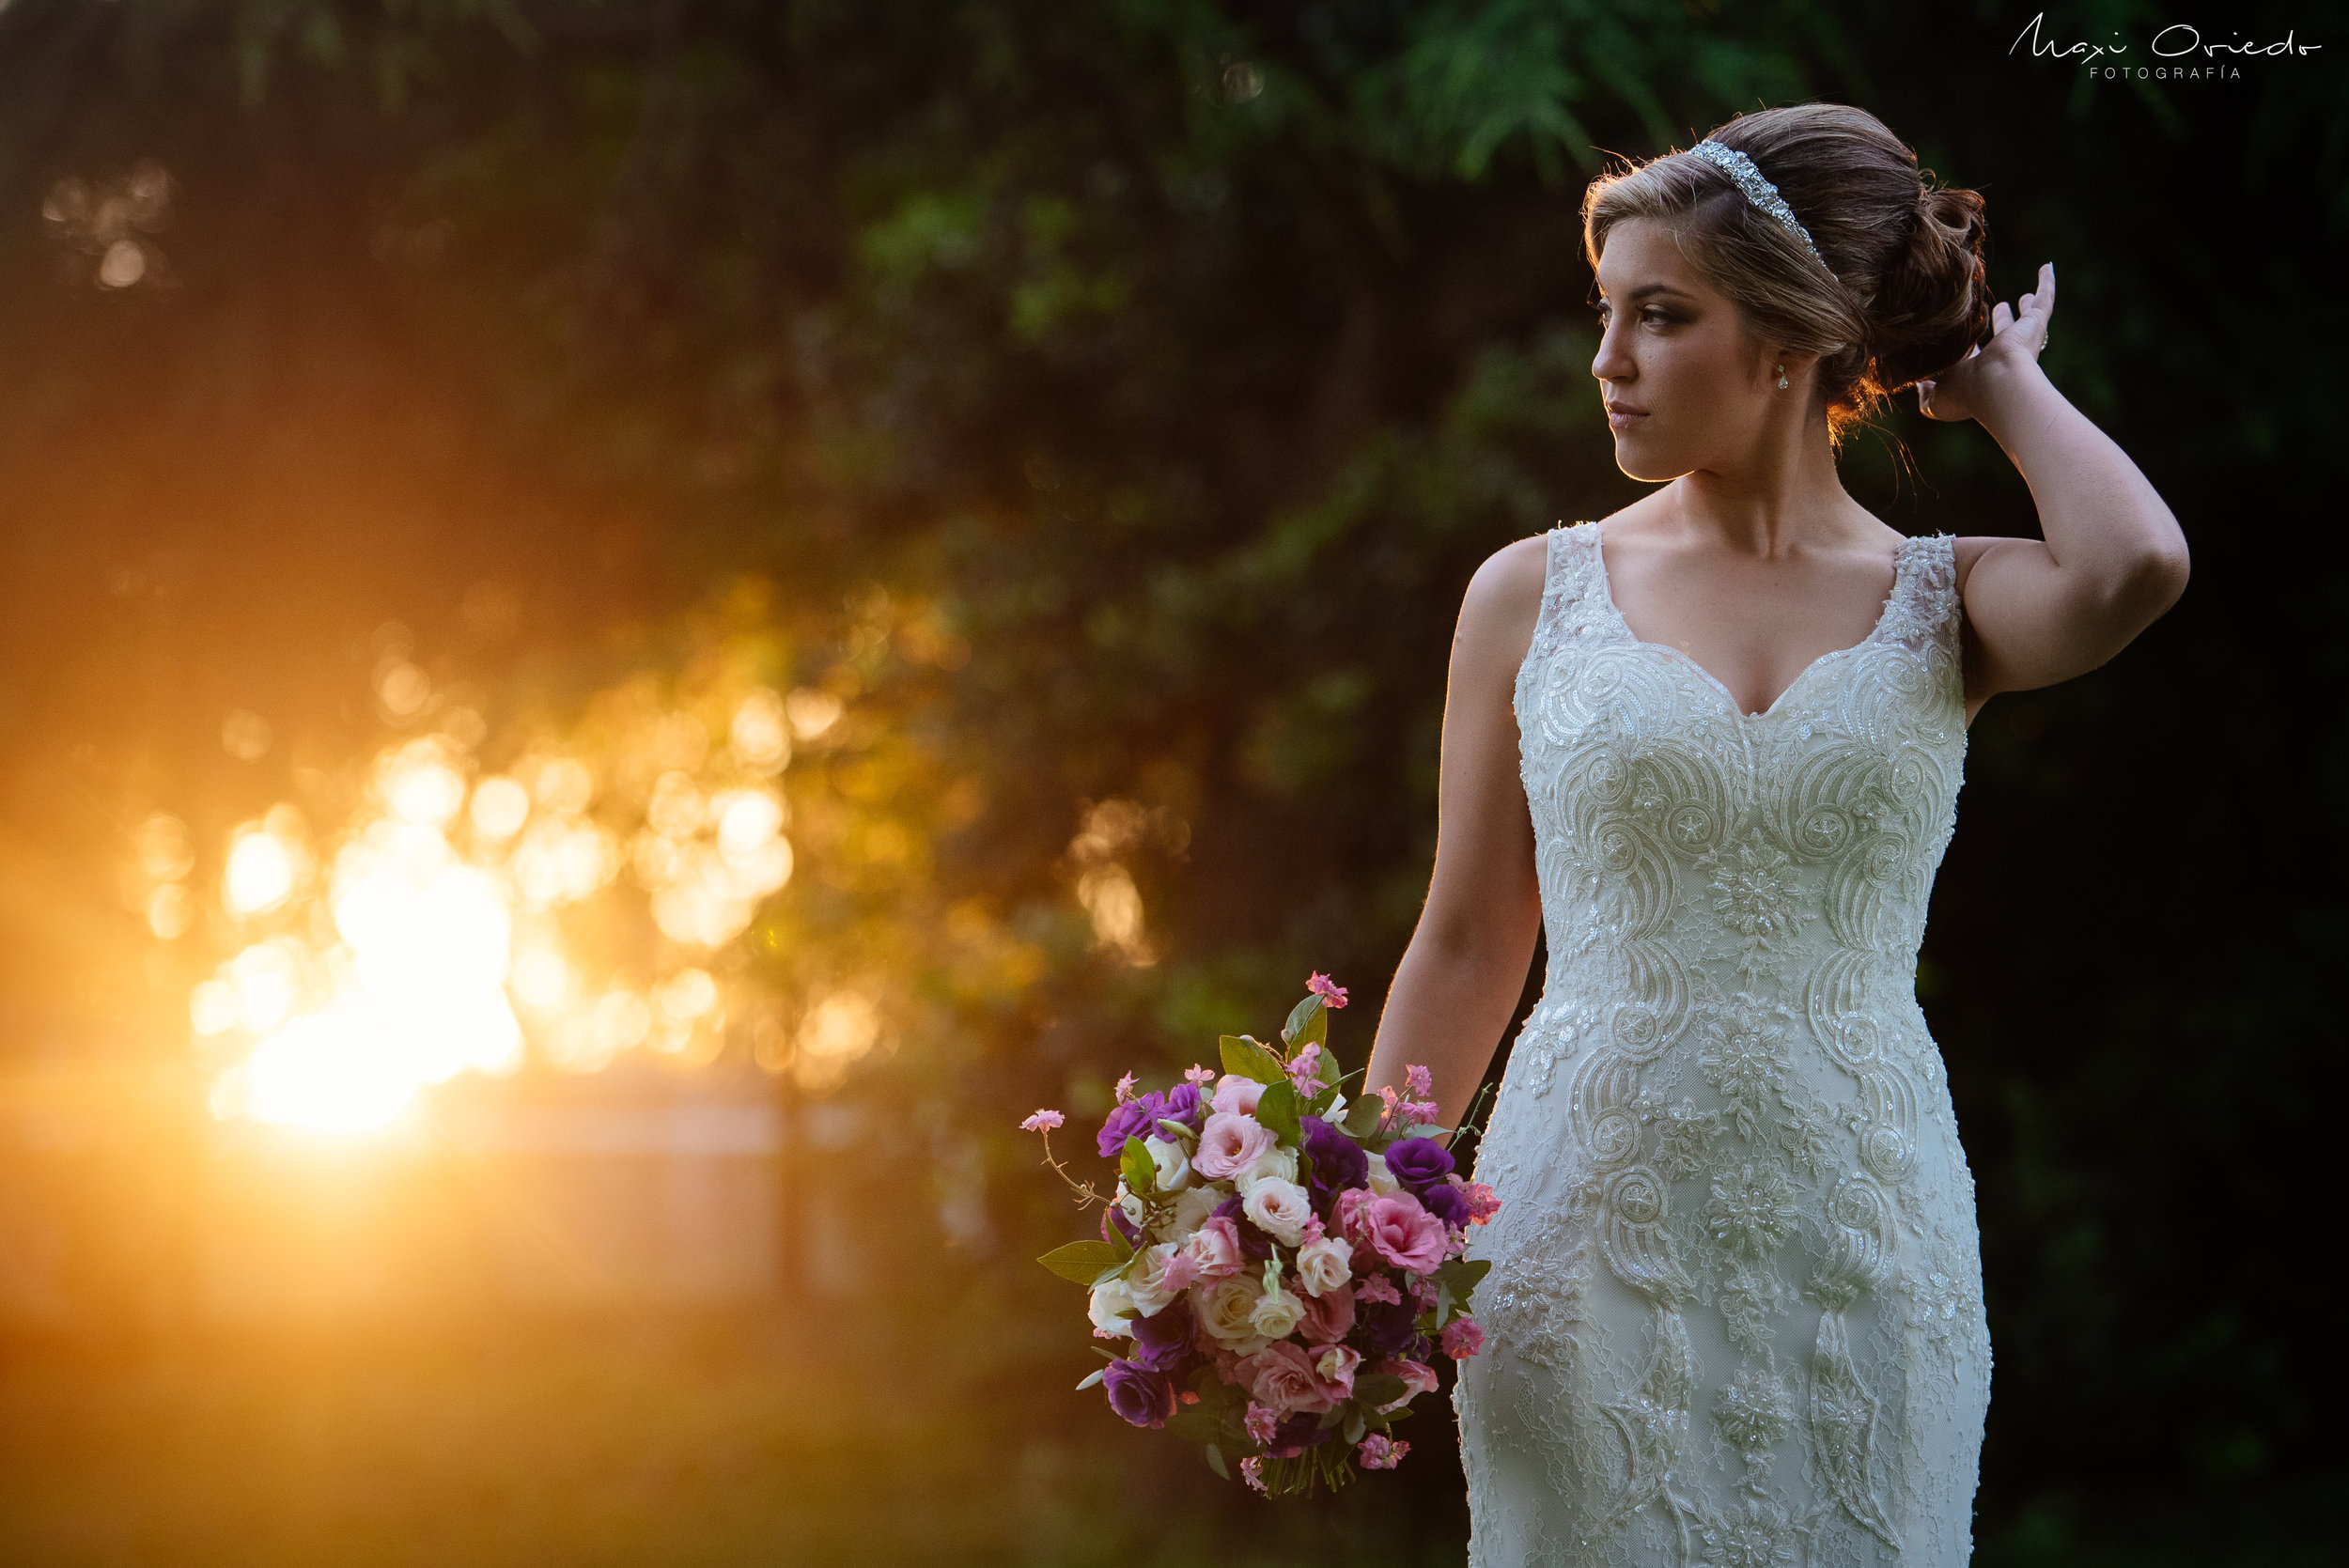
(1273, 1165)
(1227, 1311)
(1131, 1205)
(1191, 1209)
(1277, 1315)
(1173, 1163)
(1143, 1281)
(1382, 1182)
(1113, 1308)
(1324, 1266)
(1279, 1209)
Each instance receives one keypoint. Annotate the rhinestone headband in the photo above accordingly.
(1758, 190)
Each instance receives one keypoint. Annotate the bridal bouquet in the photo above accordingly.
(1282, 1267)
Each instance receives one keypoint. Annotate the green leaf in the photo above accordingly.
(1461, 1275)
(1361, 1117)
(1195, 1422)
(1426, 1129)
(1249, 1060)
(1379, 1388)
(1309, 1024)
(1136, 1166)
(1093, 1379)
(1080, 1263)
(1355, 1426)
(1279, 1112)
(1323, 1101)
(1215, 1462)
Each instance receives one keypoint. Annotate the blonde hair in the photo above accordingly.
(1912, 296)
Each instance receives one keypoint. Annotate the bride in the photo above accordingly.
(1712, 746)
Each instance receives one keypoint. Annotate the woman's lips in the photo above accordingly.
(1622, 416)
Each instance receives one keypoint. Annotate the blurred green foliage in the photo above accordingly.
(1179, 362)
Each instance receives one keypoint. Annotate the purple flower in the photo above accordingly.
(1182, 1104)
(1134, 1119)
(1339, 1162)
(1253, 1244)
(1419, 1163)
(1385, 1327)
(1446, 1201)
(1296, 1435)
(1162, 1340)
(1142, 1396)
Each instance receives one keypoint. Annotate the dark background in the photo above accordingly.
(1181, 361)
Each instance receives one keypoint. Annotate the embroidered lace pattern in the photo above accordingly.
(1735, 1308)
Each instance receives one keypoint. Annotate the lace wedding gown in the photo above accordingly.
(1735, 1307)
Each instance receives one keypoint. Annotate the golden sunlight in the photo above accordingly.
(432, 941)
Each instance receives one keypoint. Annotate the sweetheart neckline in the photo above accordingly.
(1614, 612)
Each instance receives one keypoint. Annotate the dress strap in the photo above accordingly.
(1926, 611)
(1566, 599)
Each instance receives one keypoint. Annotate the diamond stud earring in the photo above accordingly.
(1782, 378)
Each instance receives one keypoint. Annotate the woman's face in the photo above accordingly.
(1686, 386)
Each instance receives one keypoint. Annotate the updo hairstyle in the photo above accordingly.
(1909, 295)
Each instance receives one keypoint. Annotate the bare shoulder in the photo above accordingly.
(1502, 603)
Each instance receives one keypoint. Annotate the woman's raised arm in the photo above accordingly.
(1460, 977)
(2113, 559)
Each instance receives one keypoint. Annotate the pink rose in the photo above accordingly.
(1329, 1317)
(1418, 1378)
(1335, 1366)
(1462, 1338)
(1237, 1095)
(1230, 1144)
(1215, 1247)
(1401, 1231)
(1282, 1377)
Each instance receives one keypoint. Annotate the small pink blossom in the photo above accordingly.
(1198, 1075)
(1124, 1089)
(1481, 1200)
(1347, 1211)
(1380, 1452)
(1418, 1378)
(1418, 1083)
(1305, 1071)
(1252, 1472)
(1462, 1338)
(1043, 1121)
(1378, 1287)
(1181, 1272)
(1423, 1290)
(1329, 991)
(1261, 1422)
(1401, 1231)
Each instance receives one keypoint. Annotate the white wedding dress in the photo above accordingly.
(1736, 1308)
